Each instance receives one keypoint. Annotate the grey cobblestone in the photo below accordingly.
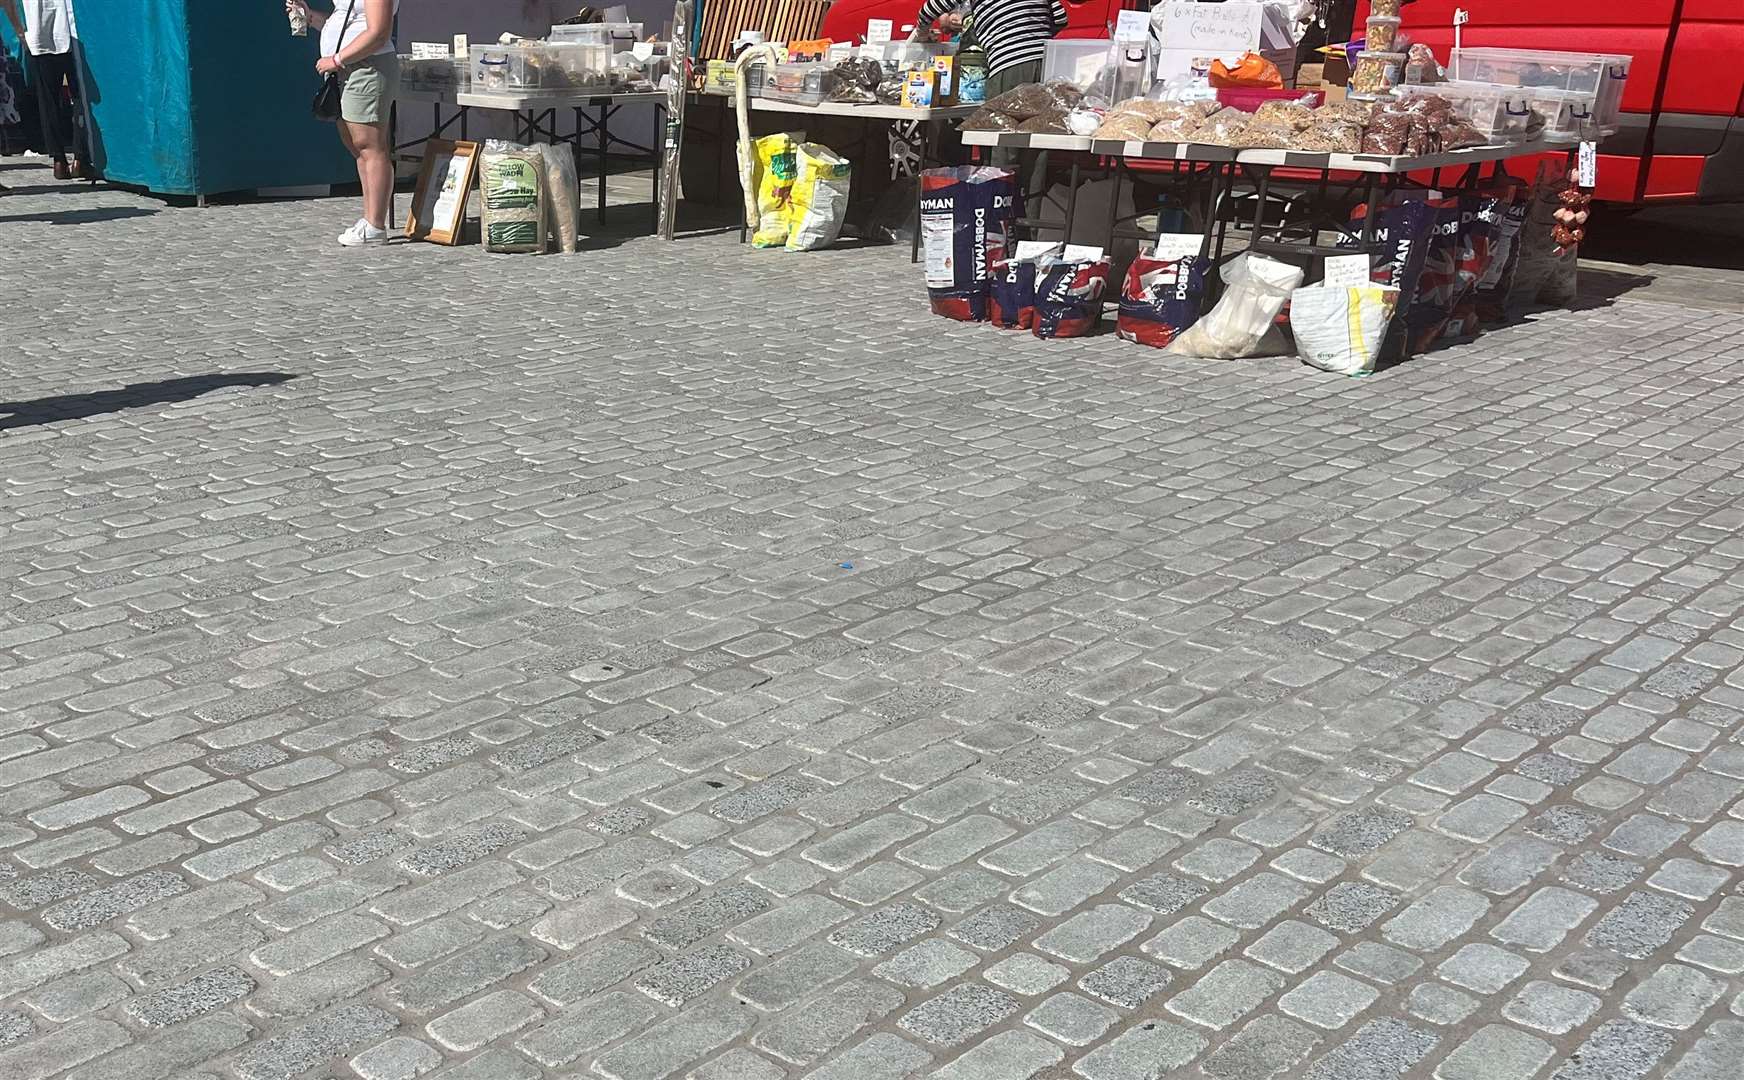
(913, 701)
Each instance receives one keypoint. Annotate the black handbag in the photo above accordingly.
(326, 105)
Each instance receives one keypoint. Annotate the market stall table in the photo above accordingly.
(931, 120)
(1374, 174)
(536, 118)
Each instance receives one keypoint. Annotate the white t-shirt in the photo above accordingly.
(354, 27)
(48, 26)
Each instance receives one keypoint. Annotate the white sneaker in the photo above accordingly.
(362, 233)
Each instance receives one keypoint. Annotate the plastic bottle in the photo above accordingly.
(971, 76)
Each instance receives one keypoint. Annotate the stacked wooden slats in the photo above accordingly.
(779, 20)
(797, 20)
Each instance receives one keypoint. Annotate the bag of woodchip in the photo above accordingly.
(511, 188)
(562, 197)
(820, 198)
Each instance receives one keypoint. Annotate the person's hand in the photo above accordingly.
(952, 21)
(328, 65)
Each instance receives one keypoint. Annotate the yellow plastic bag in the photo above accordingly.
(820, 198)
(774, 167)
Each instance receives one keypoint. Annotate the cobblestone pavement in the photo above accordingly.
(689, 661)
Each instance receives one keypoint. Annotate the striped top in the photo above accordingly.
(1010, 32)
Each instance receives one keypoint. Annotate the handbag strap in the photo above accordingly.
(344, 24)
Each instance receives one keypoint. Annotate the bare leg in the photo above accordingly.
(375, 170)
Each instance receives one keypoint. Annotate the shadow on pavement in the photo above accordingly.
(49, 410)
(80, 217)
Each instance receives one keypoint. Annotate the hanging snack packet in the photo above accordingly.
(1161, 298)
(963, 214)
(820, 197)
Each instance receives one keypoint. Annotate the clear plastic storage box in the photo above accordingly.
(801, 84)
(620, 36)
(1502, 114)
(1598, 76)
(438, 74)
(1568, 115)
(900, 56)
(1079, 61)
(528, 67)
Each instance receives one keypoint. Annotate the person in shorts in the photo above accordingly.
(357, 44)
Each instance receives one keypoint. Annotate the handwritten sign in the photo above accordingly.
(1210, 29)
(430, 50)
(1133, 27)
(877, 31)
(1347, 272)
(1172, 246)
(1586, 168)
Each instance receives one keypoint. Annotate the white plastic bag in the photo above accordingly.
(1341, 329)
(1236, 327)
(820, 197)
(562, 197)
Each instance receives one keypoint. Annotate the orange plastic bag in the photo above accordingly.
(1251, 70)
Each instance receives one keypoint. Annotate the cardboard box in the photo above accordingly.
(920, 89)
(945, 83)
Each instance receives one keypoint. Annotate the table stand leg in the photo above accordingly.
(926, 133)
(604, 160)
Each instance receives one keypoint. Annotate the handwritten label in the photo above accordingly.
(1461, 16)
(1035, 249)
(1347, 272)
(1133, 27)
(1587, 165)
(462, 45)
(1210, 28)
(1173, 245)
(878, 31)
(430, 50)
(1082, 253)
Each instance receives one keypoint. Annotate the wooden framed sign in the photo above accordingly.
(444, 182)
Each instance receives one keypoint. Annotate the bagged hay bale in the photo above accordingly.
(511, 190)
(562, 196)
(820, 197)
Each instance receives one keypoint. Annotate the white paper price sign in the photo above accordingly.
(429, 50)
(878, 31)
(1178, 245)
(1347, 272)
(1133, 27)
(1587, 165)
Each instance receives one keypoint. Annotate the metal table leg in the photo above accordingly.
(926, 131)
(604, 162)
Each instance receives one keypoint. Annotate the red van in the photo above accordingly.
(1683, 122)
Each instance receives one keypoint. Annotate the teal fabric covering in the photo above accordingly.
(199, 97)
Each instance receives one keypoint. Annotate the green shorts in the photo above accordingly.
(370, 89)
